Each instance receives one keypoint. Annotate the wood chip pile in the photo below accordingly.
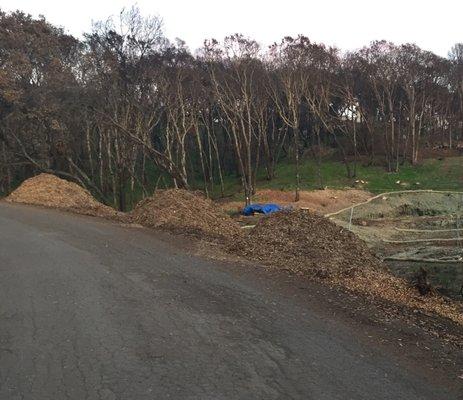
(308, 244)
(50, 191)
(304, 242)
(299, 241)
(182, 211)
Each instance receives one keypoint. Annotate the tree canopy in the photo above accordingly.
(124, 109)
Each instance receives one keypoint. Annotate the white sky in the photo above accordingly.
(349, 24)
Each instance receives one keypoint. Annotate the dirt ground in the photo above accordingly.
(406, 218)
(413, 230)
(320, 201)
(413, 203)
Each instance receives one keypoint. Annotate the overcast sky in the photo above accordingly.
(433, 24)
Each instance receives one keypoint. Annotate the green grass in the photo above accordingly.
(445, 174)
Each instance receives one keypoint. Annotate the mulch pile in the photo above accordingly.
(304, 242)
(50, 191)
(299, 241)
(182, 211)
(308, 244)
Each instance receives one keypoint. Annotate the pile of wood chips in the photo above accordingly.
(299, 241)
(182, 211)
(50, 191)
(308, 244)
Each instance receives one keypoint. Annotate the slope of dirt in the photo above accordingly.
(182, 211)
(311, 245)
(321, 201)
(412, 230)
(405, 203)
(50, 191)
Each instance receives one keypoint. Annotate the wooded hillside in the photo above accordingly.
(108, 110)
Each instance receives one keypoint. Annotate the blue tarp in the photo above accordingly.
(261, 208)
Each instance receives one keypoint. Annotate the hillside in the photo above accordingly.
(432, 173)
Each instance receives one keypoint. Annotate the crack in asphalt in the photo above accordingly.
(93, 311)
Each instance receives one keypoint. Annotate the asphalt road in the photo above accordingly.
(93, 310)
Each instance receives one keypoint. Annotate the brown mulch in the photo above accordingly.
(300, 241)
(308, 244)
(50, 191)
(182, 211)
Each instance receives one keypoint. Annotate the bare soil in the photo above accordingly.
(404, 203)
(321, 201)
(413, 230)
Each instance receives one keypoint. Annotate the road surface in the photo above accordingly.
(93, 310)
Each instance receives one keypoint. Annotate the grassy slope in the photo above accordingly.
(445, 174)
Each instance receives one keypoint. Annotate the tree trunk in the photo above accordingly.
(296, 157)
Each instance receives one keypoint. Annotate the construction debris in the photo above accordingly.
(182, 211)
(50, 191)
